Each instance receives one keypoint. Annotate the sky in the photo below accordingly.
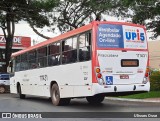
(23, 29)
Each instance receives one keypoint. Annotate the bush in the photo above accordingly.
(155, 81)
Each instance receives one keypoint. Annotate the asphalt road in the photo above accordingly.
(11, 103)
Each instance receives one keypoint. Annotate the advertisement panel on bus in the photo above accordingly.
(121, 36)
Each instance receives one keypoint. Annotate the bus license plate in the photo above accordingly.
(124, 76)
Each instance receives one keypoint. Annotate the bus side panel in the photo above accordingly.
(13, 88)
(74, 80)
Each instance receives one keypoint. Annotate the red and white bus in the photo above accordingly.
(93, 61)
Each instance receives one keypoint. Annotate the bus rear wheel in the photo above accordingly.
(2, 89)
(21, 96)
(95, 99)
(55, 96)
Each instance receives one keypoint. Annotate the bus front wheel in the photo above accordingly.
(21, 96)
(95, 99)
(55, 96)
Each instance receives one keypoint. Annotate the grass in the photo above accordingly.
(151, 94)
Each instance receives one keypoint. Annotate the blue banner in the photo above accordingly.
(110, 36)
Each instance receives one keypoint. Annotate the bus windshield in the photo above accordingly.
(121, 36)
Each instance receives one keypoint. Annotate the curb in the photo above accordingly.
(132, 100)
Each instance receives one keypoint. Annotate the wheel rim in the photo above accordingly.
(2, 89)
(56, 95)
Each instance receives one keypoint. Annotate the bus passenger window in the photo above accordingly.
(24, 62)
(54, 54)
(85, 47)
(17, 63)
(33, 64)
(69, 50)
(42, 57)
(32, 60)
(53, 59)
(84, 54)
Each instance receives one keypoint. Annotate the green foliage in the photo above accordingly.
(155, 81)
(73, 13)
(32, 11)
(144, 12)
(13, 11)
(151, 94)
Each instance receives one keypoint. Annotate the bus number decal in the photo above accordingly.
(43, 78)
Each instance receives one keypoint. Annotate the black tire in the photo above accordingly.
(97, 99)
(55, 96)
(21, 96)
(2, 89)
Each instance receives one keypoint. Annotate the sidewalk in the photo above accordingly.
(153, 100)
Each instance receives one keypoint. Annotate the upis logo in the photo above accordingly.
(134, 36)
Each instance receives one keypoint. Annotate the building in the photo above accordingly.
(154, 54)
(19, 43)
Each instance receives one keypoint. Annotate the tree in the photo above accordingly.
(71, 14)
(13, 11)
(145, 12)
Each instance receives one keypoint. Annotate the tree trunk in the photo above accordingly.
(10, 26)
(8, 52)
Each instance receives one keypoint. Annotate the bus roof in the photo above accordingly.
(71, 33)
